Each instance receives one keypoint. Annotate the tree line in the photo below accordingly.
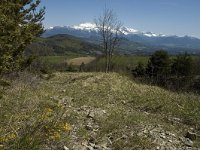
(174, 72)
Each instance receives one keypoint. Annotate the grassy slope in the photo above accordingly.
(57, 112)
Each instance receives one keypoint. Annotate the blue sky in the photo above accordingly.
(170, 17)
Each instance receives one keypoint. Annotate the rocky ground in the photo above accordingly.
(157, 135)
(97, 126)
(111, 112)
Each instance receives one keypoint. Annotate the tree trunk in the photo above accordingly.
(106, 63)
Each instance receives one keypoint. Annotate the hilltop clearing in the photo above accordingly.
(83, 111)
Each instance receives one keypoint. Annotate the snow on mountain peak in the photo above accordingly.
(150, 34)
(131, 30)
(50, 28)
(125, 30)
(92, 26)
(85, 26)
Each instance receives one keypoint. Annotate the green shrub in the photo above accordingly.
(159, 64)
(182, 65)
(139, 71)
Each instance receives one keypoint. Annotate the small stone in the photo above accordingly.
(163, 137)
(124, 102)
(90, 147)
(145, 131)
(192, 129)
(103, 144)
(84, 143)
(92, 140)
(92, 144)
(89, 127)
(188, 142)
(104, 111)
(170, 141)
(65, 148)
(192, 136)
(79, 147)
(97, 147)
(124, 137)
(91, 114)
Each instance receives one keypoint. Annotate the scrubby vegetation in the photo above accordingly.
(29, 118)
(174, 73)
(43, 105)
(109, 110)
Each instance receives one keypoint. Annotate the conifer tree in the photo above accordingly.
(20, 23)
(159, 64)
(182, 65)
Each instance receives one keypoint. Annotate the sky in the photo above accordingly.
(170, 17)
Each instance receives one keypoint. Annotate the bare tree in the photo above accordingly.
(110, 30)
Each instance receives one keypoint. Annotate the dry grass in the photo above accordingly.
(40, 114)
(29, 119)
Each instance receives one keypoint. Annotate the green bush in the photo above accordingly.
(139, 71)
(182, 65)
(159, 64)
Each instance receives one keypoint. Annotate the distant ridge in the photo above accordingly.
(150, 41)
(62, 44)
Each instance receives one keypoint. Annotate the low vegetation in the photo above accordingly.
(81, 110)
(43, 105)
(175, 73)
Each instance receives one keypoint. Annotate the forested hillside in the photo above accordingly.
(61, 45)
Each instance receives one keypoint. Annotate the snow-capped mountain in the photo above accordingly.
(85, 26)
(83, 30)
(89, 31)
(91, 27)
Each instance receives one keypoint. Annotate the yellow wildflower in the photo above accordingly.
(55, 136)
(11, 136)
(49, 110)
(47, 113)
(67, 127)
(7, 137)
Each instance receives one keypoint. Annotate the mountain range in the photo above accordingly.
(133, 41)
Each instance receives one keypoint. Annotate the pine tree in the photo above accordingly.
(182, 65)
(159, 64)
(139, 70)
(20, 23)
